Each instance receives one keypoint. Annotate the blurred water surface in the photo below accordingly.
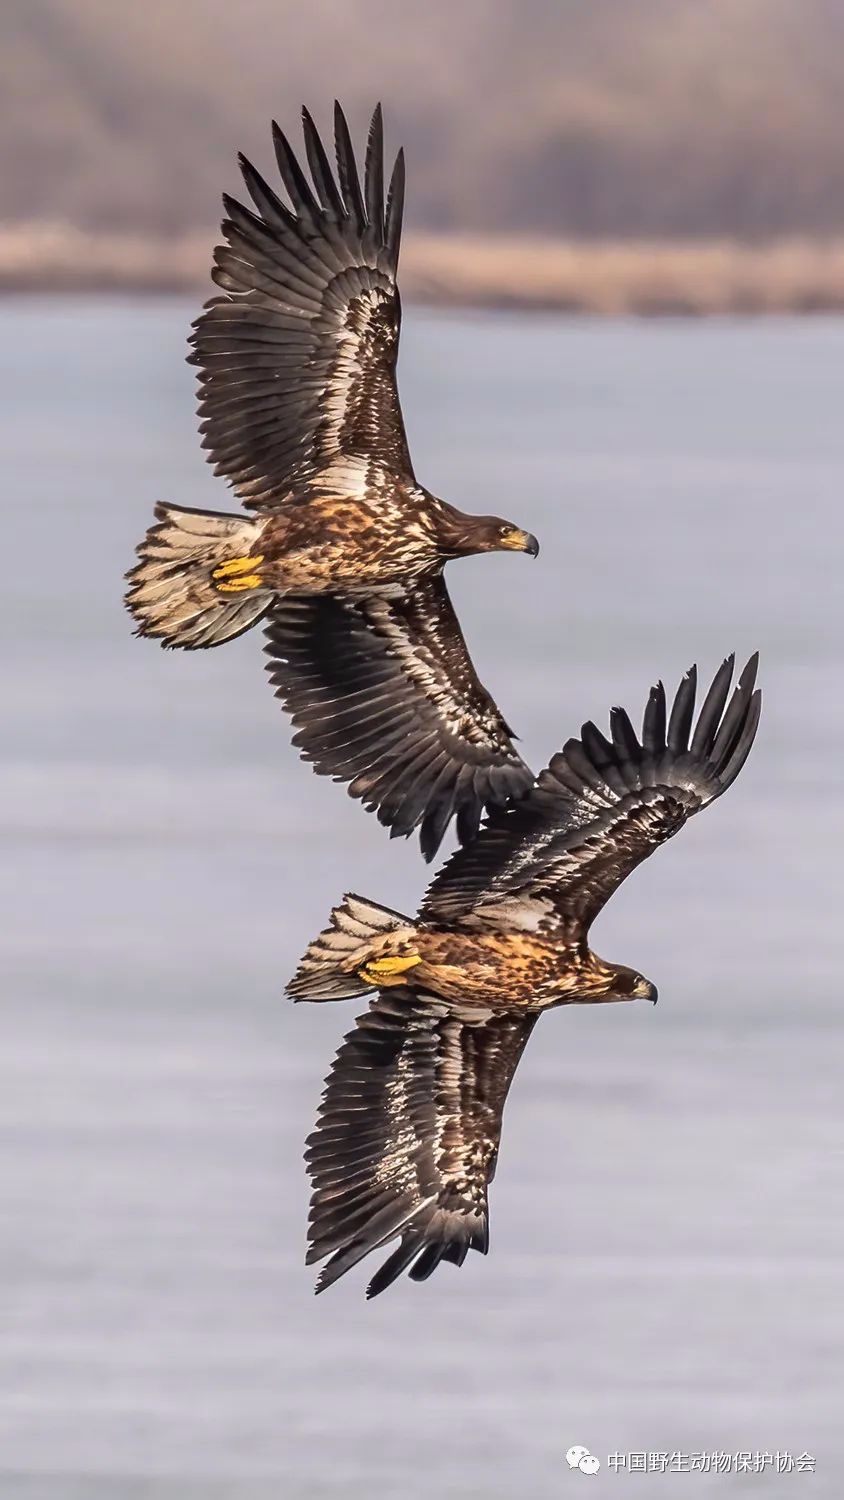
(667, 1223)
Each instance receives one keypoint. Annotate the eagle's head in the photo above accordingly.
(465, 535)
(629, 984)
(494, 535)
(606, 981)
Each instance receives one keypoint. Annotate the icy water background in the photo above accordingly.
(667, 1222)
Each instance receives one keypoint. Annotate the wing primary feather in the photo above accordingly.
(244, 221)
(709, 717)
(599, 749)
(374, 174)
(320, 166)
(455, 1252)
(469, 820)
(624, 735)
(393, 1266)
(395, 212)
(571, 768)
(347, 170)
(292, 175)
(736, 708)
(745, 742)
(682, 713)
(595, 759)
(653, 723)
(430, 1259)
(436, 821)
(268, 203)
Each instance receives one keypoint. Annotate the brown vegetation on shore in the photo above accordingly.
(606, 158)
(608, 278)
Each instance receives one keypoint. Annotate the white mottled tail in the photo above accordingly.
(329, 969)
(173, 592)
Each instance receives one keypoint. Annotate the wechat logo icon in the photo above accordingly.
(580, 1458)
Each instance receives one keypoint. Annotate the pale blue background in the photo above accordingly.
(667, 1225)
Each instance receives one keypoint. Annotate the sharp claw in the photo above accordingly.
(385, 971)
(240, 585)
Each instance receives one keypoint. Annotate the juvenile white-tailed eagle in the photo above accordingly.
(343, 555)
(408, 1131)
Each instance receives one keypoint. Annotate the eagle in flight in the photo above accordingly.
(343, 552)
(408, 1131)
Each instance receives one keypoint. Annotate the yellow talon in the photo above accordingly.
(385, 971)
(237, 567)
(240, 585)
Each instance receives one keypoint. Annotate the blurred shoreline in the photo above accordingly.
(601, 277)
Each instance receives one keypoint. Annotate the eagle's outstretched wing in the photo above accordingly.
(407, 1136)
(298, 360)
(384, 696)
(600, 808)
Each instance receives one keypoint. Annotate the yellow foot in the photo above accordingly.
(237, 575)
(386, 971)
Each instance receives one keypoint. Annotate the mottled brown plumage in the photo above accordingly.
(344, 552)
(408, 1131)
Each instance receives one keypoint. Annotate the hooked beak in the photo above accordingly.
(644, 990)
(517, 540)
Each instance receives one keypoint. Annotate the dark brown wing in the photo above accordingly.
(600, 808)
(384, 696)
(298, 360)
(407, 1136)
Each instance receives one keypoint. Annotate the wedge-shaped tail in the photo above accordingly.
(330, 969)
(197, 583)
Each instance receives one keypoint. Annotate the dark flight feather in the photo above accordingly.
(384, 696)
(322, 273)
(395, 211)
(598, 810)
(407, 1135)
(374, 172)
(321, 169)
